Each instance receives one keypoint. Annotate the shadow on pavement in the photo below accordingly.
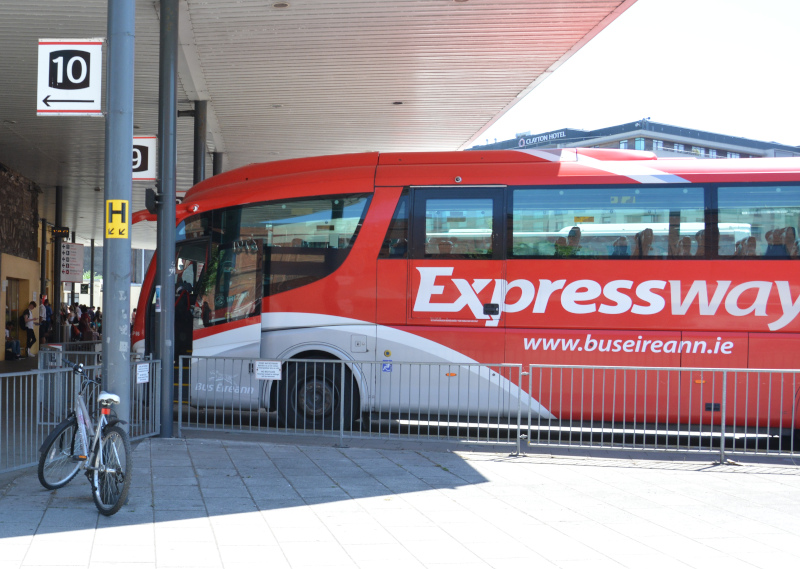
(186, 479)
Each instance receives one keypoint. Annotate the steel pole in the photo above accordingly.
(118, 189)
(72, 292)
(43, 262)
(56, 302)
(91, 274)
(168, 151)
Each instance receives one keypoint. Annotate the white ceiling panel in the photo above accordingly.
(315, 77)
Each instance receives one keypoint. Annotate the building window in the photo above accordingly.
(639, 144)
(712, 153)
(698, 151)
(658, 145)
(678, 147)
(623, 144)
(733, 155)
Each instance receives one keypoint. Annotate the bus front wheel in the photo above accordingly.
(315, 395)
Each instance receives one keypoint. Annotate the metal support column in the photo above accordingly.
(72, 293)
(118, 189)
(167, 164)
(43, 263)
(91, 274)
(217, 164)
(200, 131)
(56, 300)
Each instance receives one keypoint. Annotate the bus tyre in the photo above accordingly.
(310, 396)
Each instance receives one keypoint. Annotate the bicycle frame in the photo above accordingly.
(101, 450)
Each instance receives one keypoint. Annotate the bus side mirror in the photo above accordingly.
(151, 200)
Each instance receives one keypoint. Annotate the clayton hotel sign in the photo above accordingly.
(527, 140)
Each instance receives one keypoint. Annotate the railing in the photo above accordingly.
(75, 346)
(664, 409)
(52, 356)
(33, 403)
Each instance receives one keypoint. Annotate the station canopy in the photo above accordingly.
(288, 80)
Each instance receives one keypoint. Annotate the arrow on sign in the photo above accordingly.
(47, 100)
(110, 231)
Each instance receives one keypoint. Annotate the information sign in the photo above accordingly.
(117, 219)
(71, 262)
(70, 75)
(143, 373)
(268, 370)
(144, 157)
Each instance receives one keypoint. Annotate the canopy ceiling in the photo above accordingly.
(289, 79)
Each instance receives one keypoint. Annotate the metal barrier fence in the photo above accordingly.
(52, 356)
(664, 409)
(74, 346)
(33, 403)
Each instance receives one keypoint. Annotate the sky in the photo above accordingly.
(724, 66)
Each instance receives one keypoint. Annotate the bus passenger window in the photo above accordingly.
(304, 240)
(606, 223)
(458, 227)
(759, 221)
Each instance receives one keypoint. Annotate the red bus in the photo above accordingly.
(562, 257)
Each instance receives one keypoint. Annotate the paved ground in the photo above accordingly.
(286, 503)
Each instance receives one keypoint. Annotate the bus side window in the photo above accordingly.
(395, 244)
(630, 222)
(455, 225)
(305, 239)
(759, 221)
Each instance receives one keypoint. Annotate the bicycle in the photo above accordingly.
(102, 450)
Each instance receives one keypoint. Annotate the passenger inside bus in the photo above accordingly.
(781, 243)
(570, 245)
(745, 247)
(620, 248)
(643, 243)
(700, 237)
(445, 247)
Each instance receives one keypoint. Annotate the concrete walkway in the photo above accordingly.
(284, 503)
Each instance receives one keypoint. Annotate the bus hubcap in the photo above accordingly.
(316, 398)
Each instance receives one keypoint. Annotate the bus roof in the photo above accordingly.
(567, 166)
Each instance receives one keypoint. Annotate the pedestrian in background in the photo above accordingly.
(30, 321)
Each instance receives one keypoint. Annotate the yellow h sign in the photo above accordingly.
(117, 219)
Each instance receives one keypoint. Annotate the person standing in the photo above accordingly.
(30, 321)
(45, 318)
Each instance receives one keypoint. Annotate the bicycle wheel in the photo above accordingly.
(112, 478)
(58, 463)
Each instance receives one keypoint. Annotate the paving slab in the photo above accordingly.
(232, 502)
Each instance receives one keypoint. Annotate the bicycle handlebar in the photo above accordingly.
(78, 369)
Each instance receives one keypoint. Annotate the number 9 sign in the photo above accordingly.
(144, 157)
(70, 77)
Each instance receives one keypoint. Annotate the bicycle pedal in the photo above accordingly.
(78, 458)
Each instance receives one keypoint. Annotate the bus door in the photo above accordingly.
(218, 293)
(456, 284)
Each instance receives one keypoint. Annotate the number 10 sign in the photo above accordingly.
(70, 77)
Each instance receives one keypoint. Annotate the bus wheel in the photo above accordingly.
(310, 396)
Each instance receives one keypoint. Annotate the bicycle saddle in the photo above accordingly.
(106, 398)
